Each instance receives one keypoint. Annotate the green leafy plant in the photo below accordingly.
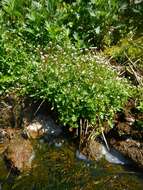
(77, 86)
(37, 55)
(97, 23)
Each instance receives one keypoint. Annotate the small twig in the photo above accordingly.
(39, 107)
(80, 127)
(105, 139)
(133, 63)
(9, 172)
(136, 76)
(129, 59)
(130, 63)
(80, 134)
(121, 73)
(84, 121)
(93, 134)
(86, 130)
(77, 132)
(136, 62)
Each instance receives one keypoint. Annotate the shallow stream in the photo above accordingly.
(55, 167)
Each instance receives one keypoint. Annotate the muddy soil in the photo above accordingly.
(127, 134)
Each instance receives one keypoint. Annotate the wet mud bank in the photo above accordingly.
(127, 134)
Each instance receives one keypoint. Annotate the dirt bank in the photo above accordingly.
(127, 135)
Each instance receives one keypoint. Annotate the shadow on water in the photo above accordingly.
(57, 168)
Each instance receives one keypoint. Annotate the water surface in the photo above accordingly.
(57, 168)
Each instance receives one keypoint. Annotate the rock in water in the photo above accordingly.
(43, 126)
(113, 156)
(19, 155)
(80, 156)
(34, 129)
(95, 151)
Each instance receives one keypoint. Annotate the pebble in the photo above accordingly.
(80, 156)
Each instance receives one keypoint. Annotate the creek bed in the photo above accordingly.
(55, 167)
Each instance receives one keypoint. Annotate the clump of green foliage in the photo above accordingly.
(77, 86)
(39, 59)
(97, 23)
(138, 96)
(128, 49)
(15, 57)
(129, 53)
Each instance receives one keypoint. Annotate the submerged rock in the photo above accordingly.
(58, 143)
(80, 156)
(34, 130)
(114, 156)
(19, 154)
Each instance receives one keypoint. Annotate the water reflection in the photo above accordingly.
(57, 168)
